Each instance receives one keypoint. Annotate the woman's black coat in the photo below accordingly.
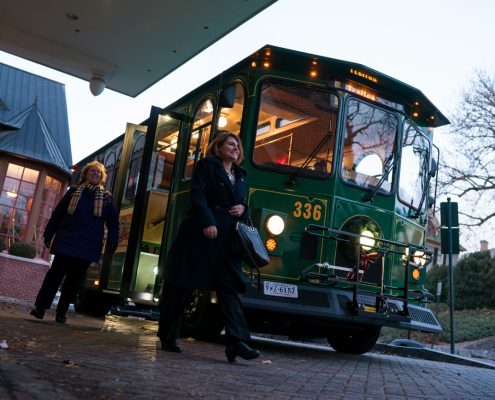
(194, 258)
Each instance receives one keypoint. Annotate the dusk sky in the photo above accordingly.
(435, 46)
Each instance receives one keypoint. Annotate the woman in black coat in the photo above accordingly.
(74, 235)
(201, 255)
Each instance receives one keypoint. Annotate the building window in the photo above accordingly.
(16, 200)
(52, 192)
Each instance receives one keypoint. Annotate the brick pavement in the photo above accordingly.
(117, 358)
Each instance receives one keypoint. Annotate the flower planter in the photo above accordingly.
(21, 278)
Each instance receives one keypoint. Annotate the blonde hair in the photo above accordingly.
(100, 166)
(220, 138)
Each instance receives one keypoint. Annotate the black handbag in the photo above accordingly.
(248, 245)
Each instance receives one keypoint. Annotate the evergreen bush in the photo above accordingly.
(23, 249)
(474, 281)
(438, 273)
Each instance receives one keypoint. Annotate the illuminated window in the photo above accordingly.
(296, 129)
(16, 200)
(52, 193)
(200, 136)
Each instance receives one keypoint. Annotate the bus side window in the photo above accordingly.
(200, 136)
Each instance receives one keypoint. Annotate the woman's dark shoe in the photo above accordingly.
(242, 350)
(60, 318)
(171, 345)
(38, 313)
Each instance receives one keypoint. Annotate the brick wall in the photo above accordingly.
(21, 278)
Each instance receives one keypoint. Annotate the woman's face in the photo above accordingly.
(93, 176)
(229, 150)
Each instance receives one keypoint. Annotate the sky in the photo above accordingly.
(433, 45)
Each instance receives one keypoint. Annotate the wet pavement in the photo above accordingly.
(118, 358)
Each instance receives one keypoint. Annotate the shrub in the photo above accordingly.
(474, 280)
(438, 273)
(23, 249)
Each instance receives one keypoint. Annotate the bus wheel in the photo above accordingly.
(92, 303)
(354, 342)
(201, 319)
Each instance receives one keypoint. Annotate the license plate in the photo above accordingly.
(280, 289)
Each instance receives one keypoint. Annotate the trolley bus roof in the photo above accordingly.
(415, 103)
(130, 44)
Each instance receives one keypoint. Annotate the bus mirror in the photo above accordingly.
(433, 168)
(226, 99)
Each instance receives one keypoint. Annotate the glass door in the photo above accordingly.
(152, 197)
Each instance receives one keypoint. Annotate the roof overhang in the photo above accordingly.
(129, 44)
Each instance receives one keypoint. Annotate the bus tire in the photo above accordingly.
(356, 341)
(92, 303)
(201, 319)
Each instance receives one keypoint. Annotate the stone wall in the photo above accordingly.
(21, 278)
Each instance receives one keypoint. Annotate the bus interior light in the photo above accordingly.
(96, 282)
(275, 224)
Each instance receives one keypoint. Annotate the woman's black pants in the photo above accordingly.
(73, 269)
(176, 298)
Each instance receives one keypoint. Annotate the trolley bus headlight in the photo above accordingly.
(275, 224)
(366, 240)
(419, 257)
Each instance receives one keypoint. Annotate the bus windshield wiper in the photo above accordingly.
(390, 163)
(291, 180)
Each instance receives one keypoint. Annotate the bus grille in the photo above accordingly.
(343, 301)
(422, 316)
(306, 297)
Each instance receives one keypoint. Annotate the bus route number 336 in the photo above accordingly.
(307, 211)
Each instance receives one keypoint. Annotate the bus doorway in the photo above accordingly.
(140, 282)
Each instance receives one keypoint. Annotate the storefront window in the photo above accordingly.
(52, 193)
(16, 201)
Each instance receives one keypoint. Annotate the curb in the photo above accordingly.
(431, 355)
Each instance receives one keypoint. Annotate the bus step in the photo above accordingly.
(136, 312)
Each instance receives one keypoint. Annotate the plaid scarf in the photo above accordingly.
(98, 193)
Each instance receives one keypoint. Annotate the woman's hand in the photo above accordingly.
(237, 210)
(210, 232)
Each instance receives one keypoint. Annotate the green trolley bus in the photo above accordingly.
(341, 173)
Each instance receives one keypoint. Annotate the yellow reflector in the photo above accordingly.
(96, 282)
(416, 274)
(271, 244)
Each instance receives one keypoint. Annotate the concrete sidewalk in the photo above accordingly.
(117, 358)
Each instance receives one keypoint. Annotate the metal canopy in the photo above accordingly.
(129, 44)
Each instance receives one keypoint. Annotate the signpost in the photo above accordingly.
(449, 236)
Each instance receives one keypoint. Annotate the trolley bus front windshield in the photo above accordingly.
(293, 121)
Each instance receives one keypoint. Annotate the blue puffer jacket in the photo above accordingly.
(81, 234)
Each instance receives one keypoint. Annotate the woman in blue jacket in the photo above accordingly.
(74, 235)
(201, 256)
